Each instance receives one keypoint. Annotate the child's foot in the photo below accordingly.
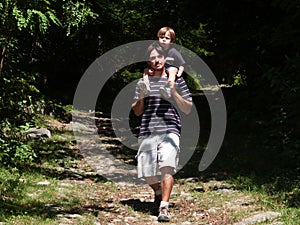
(144, 86)
(165, 91)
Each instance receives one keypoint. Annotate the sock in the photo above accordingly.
(164, 204)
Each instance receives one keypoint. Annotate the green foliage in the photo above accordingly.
(15, 152)
(129, 76)
(253, 45)
(31, 16)
(195, 39)
(19, 98)
(239, 78)
(283, 129)
(193, 81)
(23, 29)
(75, 15)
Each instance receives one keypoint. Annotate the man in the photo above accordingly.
(160, 129)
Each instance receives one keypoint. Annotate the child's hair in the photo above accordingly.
(162, 31)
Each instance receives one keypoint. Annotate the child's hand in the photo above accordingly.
(150, 72)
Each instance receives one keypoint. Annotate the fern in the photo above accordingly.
(21, 20)
(77, 15)
(53, 18)
(43, 21)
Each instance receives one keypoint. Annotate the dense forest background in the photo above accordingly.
(251, 46)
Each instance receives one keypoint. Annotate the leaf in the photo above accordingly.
(21, 21)
(53, 18)
(43, 21)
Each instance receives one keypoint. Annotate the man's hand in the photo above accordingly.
(184, 105)
(171, 85)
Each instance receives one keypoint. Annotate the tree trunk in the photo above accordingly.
(3, 55)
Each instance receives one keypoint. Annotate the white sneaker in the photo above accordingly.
(163, 215)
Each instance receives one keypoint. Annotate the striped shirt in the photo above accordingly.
(160, 115)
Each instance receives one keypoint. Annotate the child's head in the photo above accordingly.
(166, 36)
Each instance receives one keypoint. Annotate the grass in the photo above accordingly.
(25, 201)
(60, 188)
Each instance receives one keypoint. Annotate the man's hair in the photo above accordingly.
(162, 31)
(155, 46)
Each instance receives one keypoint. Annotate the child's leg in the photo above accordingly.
(172, 74)
(165, 90)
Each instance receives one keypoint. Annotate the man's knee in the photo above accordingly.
(151, 180)
(167, 172)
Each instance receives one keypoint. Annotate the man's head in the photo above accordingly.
(156, 56)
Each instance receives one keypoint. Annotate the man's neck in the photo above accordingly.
(159, 73)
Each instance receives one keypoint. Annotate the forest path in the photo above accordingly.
(195, 200)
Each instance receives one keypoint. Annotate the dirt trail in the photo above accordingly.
(193, 201)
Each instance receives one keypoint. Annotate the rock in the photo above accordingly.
(186, 223)
(43, 183)
(224, 191)
(191, 180)
(37, 134)
(259, 218)
(65, 185)
(199, 189)
(217, 185)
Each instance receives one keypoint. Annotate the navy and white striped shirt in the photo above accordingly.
(160, 115)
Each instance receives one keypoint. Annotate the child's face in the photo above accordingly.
(165, 40)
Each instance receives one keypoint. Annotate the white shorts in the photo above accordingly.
(157, 151)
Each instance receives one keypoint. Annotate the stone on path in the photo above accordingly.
(43, 183)
(259, 218)
(37, 133)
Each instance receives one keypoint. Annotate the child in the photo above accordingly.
(174, 62)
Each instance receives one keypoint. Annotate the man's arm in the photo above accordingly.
(138, 105)
(184, 105)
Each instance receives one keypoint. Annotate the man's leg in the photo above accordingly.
(167, 182)
(153, 183)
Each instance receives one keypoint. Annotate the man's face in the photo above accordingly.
(156, 60)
